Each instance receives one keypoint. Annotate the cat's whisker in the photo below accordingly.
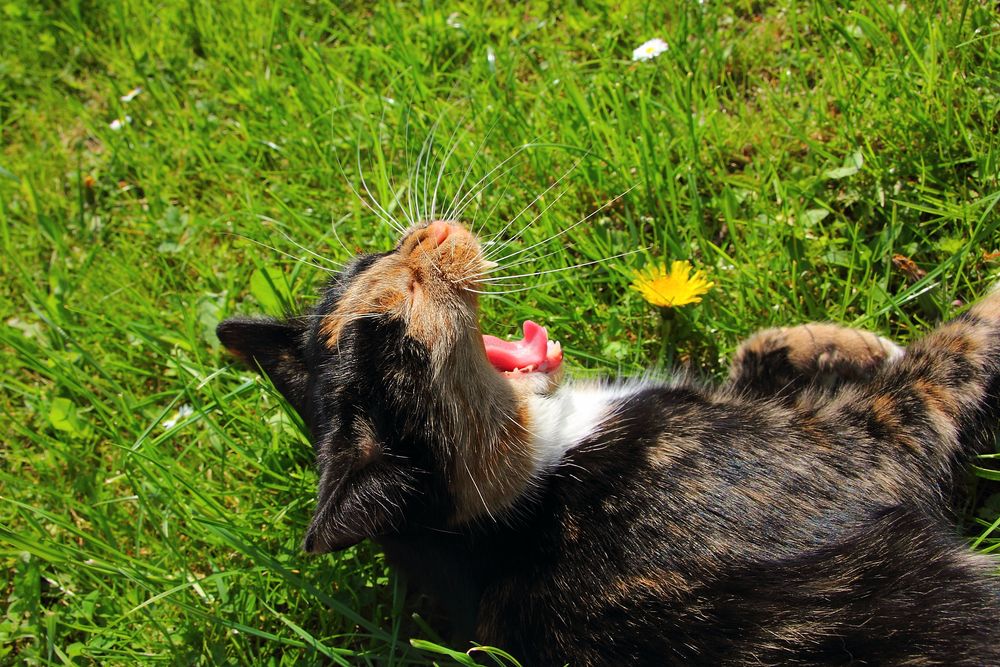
(395, 224)
(476, 266)
(534, 201)
(410, 171)
(473, 194)
(289, 255)
(493, 267)
(479, 207)
(563, 268)
(339, 265)
(392, 184)
(503, 245)
(415, 179)
(571, 227)
(465, 271)
(458, 211)
(385, 218)
(474, 190)
(365, 202)
(456, 140)
(426, 152)
(333, 230)
(513, 291)
(468, 170)
(515, 285)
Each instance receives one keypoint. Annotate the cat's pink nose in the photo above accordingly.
(438, 231)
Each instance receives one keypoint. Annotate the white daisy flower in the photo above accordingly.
(118, 123)
(649, 50)
(131, 95)
(182, 413)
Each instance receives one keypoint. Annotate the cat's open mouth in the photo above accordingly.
(533, 353)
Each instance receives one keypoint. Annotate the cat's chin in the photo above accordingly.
(534, 382)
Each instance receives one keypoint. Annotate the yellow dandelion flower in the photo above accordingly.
(677, 287)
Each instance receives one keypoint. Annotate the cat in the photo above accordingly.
(795, 515)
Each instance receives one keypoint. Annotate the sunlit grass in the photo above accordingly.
(154, 496)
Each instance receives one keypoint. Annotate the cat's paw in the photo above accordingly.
(788, 358)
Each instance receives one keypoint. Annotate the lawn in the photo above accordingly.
(165, 165)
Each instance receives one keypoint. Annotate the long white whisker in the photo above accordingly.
(512, 291)
(444, 164)
(429, 146)
(392, 184)
(333, 230)
(395, 224)
(570, 228)
(558, 180)
(475, 187)
(318, 256)
(475, 193)
(562, 268)
(299, 245)
(534, 201)
(489, 214)
(524, 260)
(468, 170)
(282, 252)
(415, 178)
(361, 199)
(527, 260)
(410, 172)
(500, 247)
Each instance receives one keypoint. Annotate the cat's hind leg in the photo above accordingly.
(933, 408)
(783, 361)
(943, 396)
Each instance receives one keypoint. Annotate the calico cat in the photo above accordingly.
(796, 515)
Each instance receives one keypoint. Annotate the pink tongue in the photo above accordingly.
(531, 353)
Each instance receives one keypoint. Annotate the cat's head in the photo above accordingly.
(419, 422)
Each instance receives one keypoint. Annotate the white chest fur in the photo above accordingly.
(562, 420)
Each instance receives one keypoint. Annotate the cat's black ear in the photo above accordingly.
(362, 495)
(276, 349)
(337, 524)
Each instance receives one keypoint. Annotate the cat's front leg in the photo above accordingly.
(783, 361)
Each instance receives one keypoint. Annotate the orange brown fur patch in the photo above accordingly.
(420, 285)
(493, 464)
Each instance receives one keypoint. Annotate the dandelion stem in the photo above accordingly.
(666, 357)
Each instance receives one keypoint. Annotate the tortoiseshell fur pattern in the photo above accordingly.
(796, 515)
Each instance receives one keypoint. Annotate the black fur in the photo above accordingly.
(772, 521)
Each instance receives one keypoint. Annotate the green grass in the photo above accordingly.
(789, 150)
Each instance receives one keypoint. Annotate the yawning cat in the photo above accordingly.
(794, 515)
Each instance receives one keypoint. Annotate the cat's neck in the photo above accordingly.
(563, 420)
(506, 435)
